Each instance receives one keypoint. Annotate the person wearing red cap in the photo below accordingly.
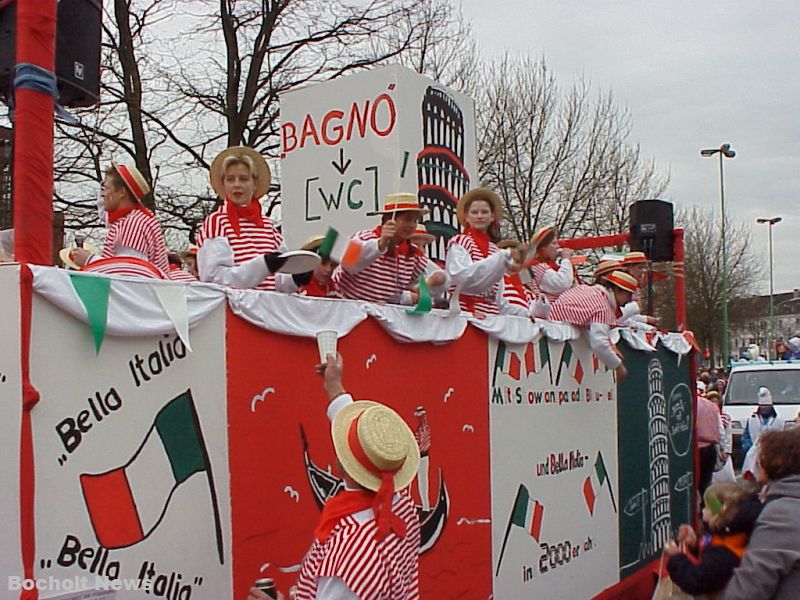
(593, 307)
(134, 244)
(635, 263)
(237, 246)
(387, 264)
(553, 273)
(475, 264)
(366, 544)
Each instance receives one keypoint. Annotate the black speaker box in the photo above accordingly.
(652, 222)
(78, 31)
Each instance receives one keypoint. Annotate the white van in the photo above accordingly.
(741, 396)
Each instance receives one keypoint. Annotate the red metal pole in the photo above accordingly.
(33, 136)
(680, 281)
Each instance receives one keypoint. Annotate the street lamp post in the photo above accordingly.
(771, 329)
(724, 151)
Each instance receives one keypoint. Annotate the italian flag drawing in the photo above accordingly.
(527, 514)
(126, 504)
(572, 362)
(597, 479)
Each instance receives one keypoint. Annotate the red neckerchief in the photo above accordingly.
(116, 215)
(404, 247)
(546, 261)
(481, 239)
(515, 282)
(251, 212)
(315, 288)
(344, 503)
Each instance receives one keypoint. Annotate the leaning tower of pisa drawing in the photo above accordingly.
(659, 457)
(441, 174)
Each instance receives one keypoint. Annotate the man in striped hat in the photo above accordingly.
(134, 244)
(387, 263)
(366, 545)
(593, 307)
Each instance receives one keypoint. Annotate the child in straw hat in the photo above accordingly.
(593, 307)
(387, 264)
(553, 272)
(366, 544)
(475, 264)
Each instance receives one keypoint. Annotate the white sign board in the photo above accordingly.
(553, 422)
(10, 417)
(131, 463)
(347, 143)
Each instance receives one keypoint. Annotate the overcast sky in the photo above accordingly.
(693, 75)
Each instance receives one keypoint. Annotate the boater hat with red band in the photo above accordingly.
(395, 203)
(544, 236)
(623, 281)
(133, 180)
(635, 258)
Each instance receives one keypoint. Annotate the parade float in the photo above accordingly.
(170, 440)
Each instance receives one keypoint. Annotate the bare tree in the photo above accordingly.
(557, 157)
(703, 275)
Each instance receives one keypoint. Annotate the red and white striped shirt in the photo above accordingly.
(372, 570)
(178, 274)
(423, 436)
(516, 295)
(141, 233)
(251, 242)
(123, 266)
(552, 281)
(486, 301)
(583, 305)
(386, 278)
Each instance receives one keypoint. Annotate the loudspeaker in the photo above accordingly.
(78, 31)
(652, 222)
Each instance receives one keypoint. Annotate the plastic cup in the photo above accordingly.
(326, 343)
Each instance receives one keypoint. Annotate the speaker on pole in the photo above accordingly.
(78, 32)
(652, 222)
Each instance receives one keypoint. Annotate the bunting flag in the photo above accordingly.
(93, 292)
(327, 244)
(126, 504)
(572, 362)
(424, 302)
(526, 514)
(597, 479)
(173, 300)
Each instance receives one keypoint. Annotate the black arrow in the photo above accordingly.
(341, 166)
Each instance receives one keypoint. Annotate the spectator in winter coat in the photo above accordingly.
(770, 569)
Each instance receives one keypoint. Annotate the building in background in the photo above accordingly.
(754, 327)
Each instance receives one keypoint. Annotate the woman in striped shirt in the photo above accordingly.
(237, 246)
(475, 264)
(552, 268)
(134, 245)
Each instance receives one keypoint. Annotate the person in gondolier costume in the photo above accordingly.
(176, 271)
(422, 433)
(317, 283)
(517, 298)
(475, 264)
(388, 264)
(635, 263)
(553, 273)
(593, 307)
(366, 545)
(134, 244)
(237, 246)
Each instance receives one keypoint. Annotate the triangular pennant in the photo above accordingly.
(327, 244)
(93, 292)
(173, 301)
(425, 302)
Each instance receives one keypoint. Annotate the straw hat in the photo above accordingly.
(395, 203)
(382, 438)
(503, 244)
(65, 254)
(263, 176)
(133, 180)
(421, 234)
(543, 236)
(480, 193)
(623, 281)
(635, 258)
(764, 397)
(606, 266)
(313, 243)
